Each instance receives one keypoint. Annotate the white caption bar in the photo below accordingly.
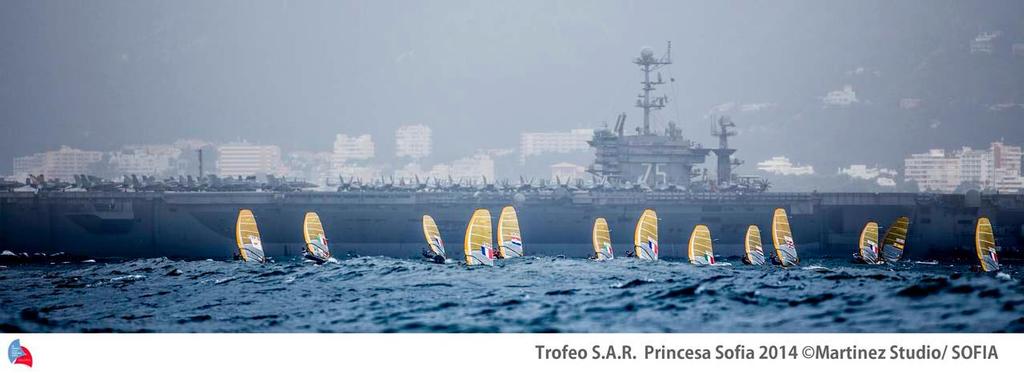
(831, 353)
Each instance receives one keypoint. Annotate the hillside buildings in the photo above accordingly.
(413, 142)
(62, 164)
(537, 143)
(844, 97)
(998, 169)
(783, 166)
(244, 159)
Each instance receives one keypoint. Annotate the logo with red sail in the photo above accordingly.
(19, 354)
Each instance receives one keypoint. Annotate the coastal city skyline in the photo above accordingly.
(994, 168)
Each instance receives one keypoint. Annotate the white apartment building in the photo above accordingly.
(244, 159)
(975, 166)
(783, 166)
(413, 141)
(148, 160)
(536, 143)
(984, 43)
(365, 174)
(62, 164)
(566, 171)
(349, 154)
(933, 171)
(881, 176)
(845, 97)
(471, 169)
(352, 148)
(1006, 166)
(997, 168)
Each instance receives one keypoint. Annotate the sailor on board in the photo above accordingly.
(857, 257)
(430, 255)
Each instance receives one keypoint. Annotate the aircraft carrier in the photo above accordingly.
(633, 170)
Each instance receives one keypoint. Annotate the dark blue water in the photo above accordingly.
(533, 294)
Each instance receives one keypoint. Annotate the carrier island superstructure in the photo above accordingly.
(635, 169)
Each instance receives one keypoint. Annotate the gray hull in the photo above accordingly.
(201, 225)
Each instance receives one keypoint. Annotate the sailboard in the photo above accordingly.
(985, 245)
(247, 235)
(433, 236)
(478, 244)
(782, 238)
(699, 248)
(895, 239)
(867, 244)
(508, 234)
(316, 239)
(602, 240)
(645, 239)
(752, 246)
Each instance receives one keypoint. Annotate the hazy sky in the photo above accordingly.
(100, 74)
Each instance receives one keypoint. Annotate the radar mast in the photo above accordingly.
(648, 64)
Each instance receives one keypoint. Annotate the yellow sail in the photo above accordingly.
(700, 250)
(479, 241)
(645, 239)
(752, 246)
(867, 245)
(508, 233)
(602, 240)
(433, 236)
(895, 239)
(782, 238)
(316, 239)
(985, 245)
(247, 235)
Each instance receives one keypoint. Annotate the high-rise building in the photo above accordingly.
(565, 172)
(998, 168)
(1006, 166)
(244, 159)
(349, 154)
(146, 160)
(352, 148)
(933, 171)
(309, 166)
(62, 164)
(413, 141)
(975, 166)
(470, 169)
(536, 143)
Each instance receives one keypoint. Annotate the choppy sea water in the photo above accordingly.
(532, 294)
